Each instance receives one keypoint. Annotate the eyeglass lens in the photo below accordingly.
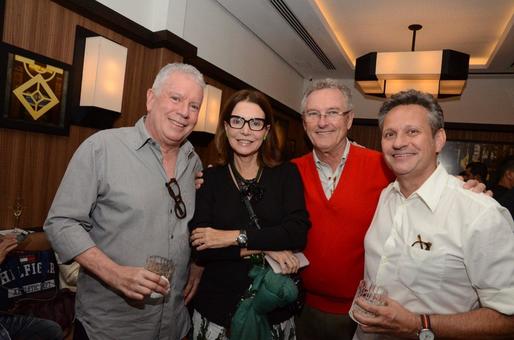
(330, 114)
(255, 124)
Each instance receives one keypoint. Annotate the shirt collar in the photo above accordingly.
(320, 163)
(142, 137)
(430, 191)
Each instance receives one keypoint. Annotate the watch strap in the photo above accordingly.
(425, 332)
(425, 321)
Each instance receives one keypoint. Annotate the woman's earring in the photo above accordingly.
(266, 135)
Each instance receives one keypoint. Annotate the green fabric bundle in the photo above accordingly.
(267, 292)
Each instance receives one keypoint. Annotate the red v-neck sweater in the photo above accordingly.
(335, 242)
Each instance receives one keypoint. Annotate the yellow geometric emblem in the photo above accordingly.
(35, 94)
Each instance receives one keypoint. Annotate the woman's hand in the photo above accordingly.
(209, 238)
(195, 275)
(288, 262)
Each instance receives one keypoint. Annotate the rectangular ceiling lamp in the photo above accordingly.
(409, 65)
(441, 73)
(210, 110)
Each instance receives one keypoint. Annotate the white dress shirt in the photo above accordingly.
(470, 263)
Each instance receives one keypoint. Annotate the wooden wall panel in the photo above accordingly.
(32, 164)
(365, 135)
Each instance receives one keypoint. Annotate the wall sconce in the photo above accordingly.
(210, 110)
(99, 66)
(103, 74)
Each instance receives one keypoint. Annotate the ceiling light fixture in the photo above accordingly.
(441, 73)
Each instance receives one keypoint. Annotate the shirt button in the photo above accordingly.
(171, 236)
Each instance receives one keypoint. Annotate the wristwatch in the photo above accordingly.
(242, 239)
(426, 332)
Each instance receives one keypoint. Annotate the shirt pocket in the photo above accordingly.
(421, 270)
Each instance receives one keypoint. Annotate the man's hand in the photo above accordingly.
(288, 262)
(392, 319)
(137, 282)
(208, 238)
(195, 274)
(134, 282)
(476, 186)
(7, 243)
(198, 180)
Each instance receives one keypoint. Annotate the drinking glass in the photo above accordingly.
(371, 293)
(161, 266)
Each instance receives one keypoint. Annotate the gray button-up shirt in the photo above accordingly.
(113, 196)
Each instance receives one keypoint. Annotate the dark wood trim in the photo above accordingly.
(479, 127)
(116, 22)
(365, 121)
(450, 125)
(2, 14)
(226, 78)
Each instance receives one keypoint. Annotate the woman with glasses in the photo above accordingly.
(249, 204)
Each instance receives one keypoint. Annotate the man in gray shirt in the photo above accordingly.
(127, 194)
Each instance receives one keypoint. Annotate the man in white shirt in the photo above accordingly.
(444, 254)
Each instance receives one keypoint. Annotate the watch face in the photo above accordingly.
(241, 240)
(426, 334)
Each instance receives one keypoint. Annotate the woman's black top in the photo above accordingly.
(282, 217)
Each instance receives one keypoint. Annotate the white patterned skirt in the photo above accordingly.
(204, 329)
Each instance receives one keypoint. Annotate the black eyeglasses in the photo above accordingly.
(255, 124)
(174, 191)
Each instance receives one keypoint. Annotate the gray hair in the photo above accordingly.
(328, 83)
(167, 70)
(426, 100)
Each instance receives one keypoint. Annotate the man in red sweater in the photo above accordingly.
(342, 185)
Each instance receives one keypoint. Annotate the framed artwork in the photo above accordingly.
(457, 154)
(33, 91)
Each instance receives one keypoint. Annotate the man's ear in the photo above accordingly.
(150, 97)
(351, 115)
(440, 140)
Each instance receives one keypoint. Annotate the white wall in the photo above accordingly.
(151, 14)
(221, 40)
(224, 41)
(487, 101)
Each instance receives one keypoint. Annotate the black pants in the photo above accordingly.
(313, 324)
(79, 332)
(24, 327)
